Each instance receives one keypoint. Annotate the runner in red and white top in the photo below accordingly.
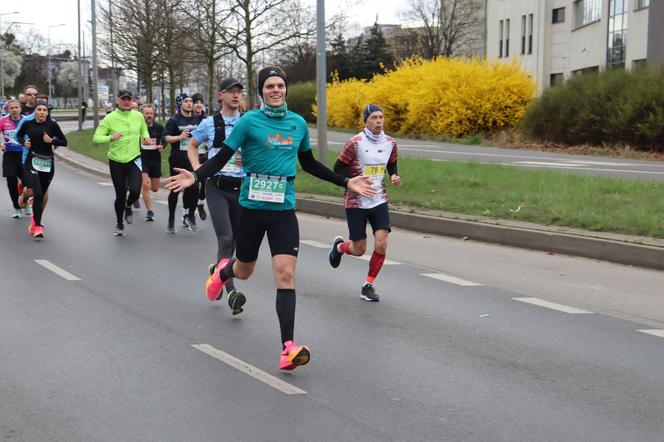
(370, 153)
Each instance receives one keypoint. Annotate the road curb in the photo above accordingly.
(597, 248)
(620, 252)
(79, 165)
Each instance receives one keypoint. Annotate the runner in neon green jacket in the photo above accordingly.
(131, 125)
(123, 129)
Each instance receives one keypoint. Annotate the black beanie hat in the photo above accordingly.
(268, 72)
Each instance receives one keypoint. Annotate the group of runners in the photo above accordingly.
(244, 165)
(28, 138)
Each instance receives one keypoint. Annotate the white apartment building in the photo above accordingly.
(555, 39)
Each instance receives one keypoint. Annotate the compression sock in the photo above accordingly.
(375, 264)
(344, 247)
(286, 313)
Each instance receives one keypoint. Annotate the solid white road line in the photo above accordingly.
(321, 245)
(544, 163)
(387, 262)
(105, 184)
(249, 369)
(576, 167)
(57, 270)
(658, 333)
(451, 279)
(553, 306)
(317, 244)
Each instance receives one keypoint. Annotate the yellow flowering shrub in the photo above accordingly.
(442, 97)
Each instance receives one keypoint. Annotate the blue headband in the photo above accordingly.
(371, 109)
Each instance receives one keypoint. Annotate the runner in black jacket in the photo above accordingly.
(41, 136)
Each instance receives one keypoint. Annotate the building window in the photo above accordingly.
(586, 11)
(584, 71)
(640, 4)
(530, 33)
(617, 35)
(507, 37)
(500, 37)
(558, 16)
(556, 79)
(523, 34)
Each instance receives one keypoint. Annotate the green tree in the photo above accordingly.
(339, 59)
(376, 51)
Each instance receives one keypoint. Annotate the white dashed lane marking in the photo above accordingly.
(317, 244)
(553, 306)
(387, 262)
(451, 279)
(57, 270)
(105, 184)
(249, 369)
(655, 332)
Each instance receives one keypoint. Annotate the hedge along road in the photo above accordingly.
(577, 164)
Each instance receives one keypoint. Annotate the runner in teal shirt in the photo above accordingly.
(272, 140)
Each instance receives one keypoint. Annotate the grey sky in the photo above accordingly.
(44, 13)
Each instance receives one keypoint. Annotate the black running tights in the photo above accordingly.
(125, 176)
(12, 185)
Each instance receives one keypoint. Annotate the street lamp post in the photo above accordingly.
(95, 74)
(321, 82)
(2, 66)
(79, 89)
(48, 55)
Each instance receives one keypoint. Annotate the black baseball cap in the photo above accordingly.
(228, 83)
(125, 93)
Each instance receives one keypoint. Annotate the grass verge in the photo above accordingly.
(500, 192)
(81, 142)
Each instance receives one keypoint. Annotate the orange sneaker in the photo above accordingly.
(293, 355)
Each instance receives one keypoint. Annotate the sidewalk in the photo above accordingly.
(623, 249)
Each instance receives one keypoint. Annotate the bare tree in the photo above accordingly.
(133, 46)
(260, 26)
(67, 79)
(448, 27)
(174, 44)
(33, 42)
(209, 17)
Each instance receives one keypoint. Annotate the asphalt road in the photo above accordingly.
(111, 356)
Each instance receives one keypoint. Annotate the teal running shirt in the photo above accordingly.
(269, 155)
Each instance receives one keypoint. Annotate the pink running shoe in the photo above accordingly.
(294, 355)
(214, 284)
(31, 227)
(38, 232)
